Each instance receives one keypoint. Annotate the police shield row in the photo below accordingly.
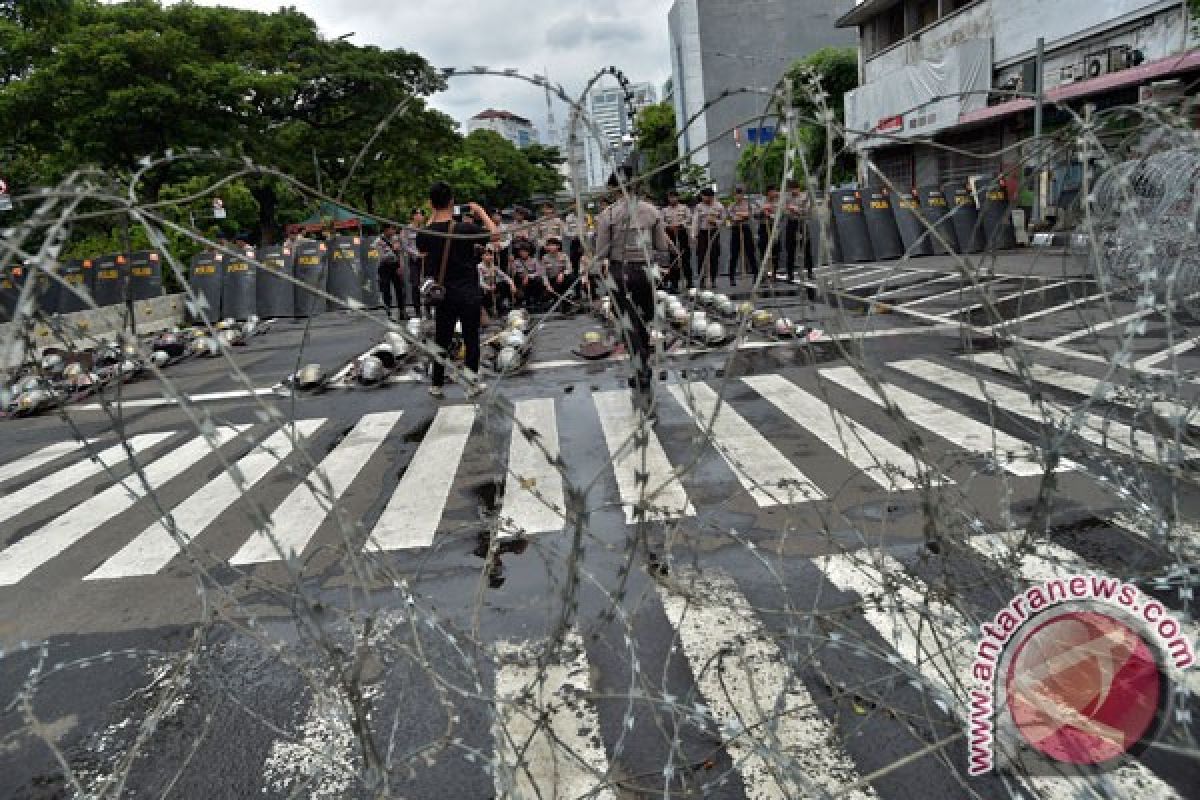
(109, 280)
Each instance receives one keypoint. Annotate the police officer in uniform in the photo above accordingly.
(795, 232)
(741, 242)
(706, 233)
(677, 220)
(629, 234)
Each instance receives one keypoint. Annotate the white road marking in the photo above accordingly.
(1081, 384)
(298, 517)
(762, 470)
(1115, 321)
(529, 471)
(885, 463)
(893, 274)
(1014, 296)
(154, 402)
(154, 547)
(1045, 312)
(837, 282)
(1098, 430)
(661, 494)
(22, 558)
(744, 678)
(930, 282)
(413, 513)
(37, 459)
(71, 476)
(546, 728)
(1018, 457)
(961, 290)
(1169, 353)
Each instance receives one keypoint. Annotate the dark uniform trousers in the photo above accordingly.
(741, 248)
(415, 278)
(680, 276)
(391, 279)
(764, 237)
(634, 297)
(796, 244)
(708, 256)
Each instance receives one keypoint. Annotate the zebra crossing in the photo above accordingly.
(968, 419)
(749, 685)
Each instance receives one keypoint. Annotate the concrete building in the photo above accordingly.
(951, 72)
(729, 44)
(516, 129)
(609, 112)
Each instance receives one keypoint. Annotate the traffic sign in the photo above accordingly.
(5, 200)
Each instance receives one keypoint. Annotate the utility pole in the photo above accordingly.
(1039, 82)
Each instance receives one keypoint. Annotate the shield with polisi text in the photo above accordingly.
(112, 279)
(276, 294)
(145, 275)
(239, 298)
(311, 272)
(208, 273)
(345, 269)
(851, 225)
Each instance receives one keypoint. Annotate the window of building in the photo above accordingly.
(889, 27)
(927, 13)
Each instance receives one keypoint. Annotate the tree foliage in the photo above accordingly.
(85, 83)
(657, 143)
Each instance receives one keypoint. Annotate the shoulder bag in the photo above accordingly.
(434, 292)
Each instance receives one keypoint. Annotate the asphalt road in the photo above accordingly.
(425, 635)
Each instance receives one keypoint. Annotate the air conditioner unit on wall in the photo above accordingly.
(1095, 65)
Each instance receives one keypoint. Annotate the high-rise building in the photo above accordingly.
(609, 112)
(516, 129)
(719, 45)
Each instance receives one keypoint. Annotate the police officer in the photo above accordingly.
(741, 242)
(706, 233)
(766, 227)
(629, 234)
(677, 219)
(795, 233)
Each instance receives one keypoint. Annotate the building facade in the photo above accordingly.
(960, 73)
(720, 45)
(516, 129)
(609, 113)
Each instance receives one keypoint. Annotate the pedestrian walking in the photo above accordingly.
(450, 247)
(630, 236)
(706, 234)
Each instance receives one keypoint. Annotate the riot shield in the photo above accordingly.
(238, 294)
(345, 269)
(370, 267)
(881, 226)
(62, 300)
(276, 294)
(10, 291)
(996, 213)
(822, 234)
(851, 226)
(112, 280)
(907, 210)
(208, 273)
(145, 275)
(965, 218)
(311, 272)
(937, 214)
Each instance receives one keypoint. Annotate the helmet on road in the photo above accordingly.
(784, 327)
(309, 376)
(370, 370)
(715, 333)
(507, 360)
(762, 318)
(707, 297)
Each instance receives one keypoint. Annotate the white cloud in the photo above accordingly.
(573, 39)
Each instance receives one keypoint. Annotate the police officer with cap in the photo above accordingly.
(629, 233)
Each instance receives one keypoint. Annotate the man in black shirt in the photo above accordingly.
(464, 297)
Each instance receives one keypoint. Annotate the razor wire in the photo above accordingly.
(388, 621)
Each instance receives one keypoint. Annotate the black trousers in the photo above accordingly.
(415, 277)
(634, 297)
(741, 249)
(796, 241)
(391, 279)
(679, 277)
(708, 256)
(764, 236)
(498, 300)
(456, 309)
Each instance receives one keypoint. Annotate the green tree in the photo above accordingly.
(820, 81)
(547, 162)
(658, 145)
(761, 166)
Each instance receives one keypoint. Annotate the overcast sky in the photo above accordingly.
(571, 38)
